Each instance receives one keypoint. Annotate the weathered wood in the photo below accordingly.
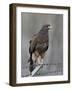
(36, 69)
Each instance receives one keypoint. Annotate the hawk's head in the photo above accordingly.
(46, 26)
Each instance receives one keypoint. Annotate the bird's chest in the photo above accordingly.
(42, 39)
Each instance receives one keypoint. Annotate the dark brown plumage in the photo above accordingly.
(38, 46)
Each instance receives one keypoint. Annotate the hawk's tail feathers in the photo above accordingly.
(31, 63)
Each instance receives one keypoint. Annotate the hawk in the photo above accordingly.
(38, 46)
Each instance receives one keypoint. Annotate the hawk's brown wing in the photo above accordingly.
(38, 43)
(33, 43)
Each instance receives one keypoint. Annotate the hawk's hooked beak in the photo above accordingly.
(49, 27)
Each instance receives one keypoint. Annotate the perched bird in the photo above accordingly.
(38, 46)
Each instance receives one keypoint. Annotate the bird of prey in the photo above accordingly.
(38, 46)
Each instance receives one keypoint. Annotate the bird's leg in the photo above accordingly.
(40, 60)
(42, 55)
(35, 56)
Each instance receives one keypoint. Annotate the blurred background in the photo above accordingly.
(31, 23)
